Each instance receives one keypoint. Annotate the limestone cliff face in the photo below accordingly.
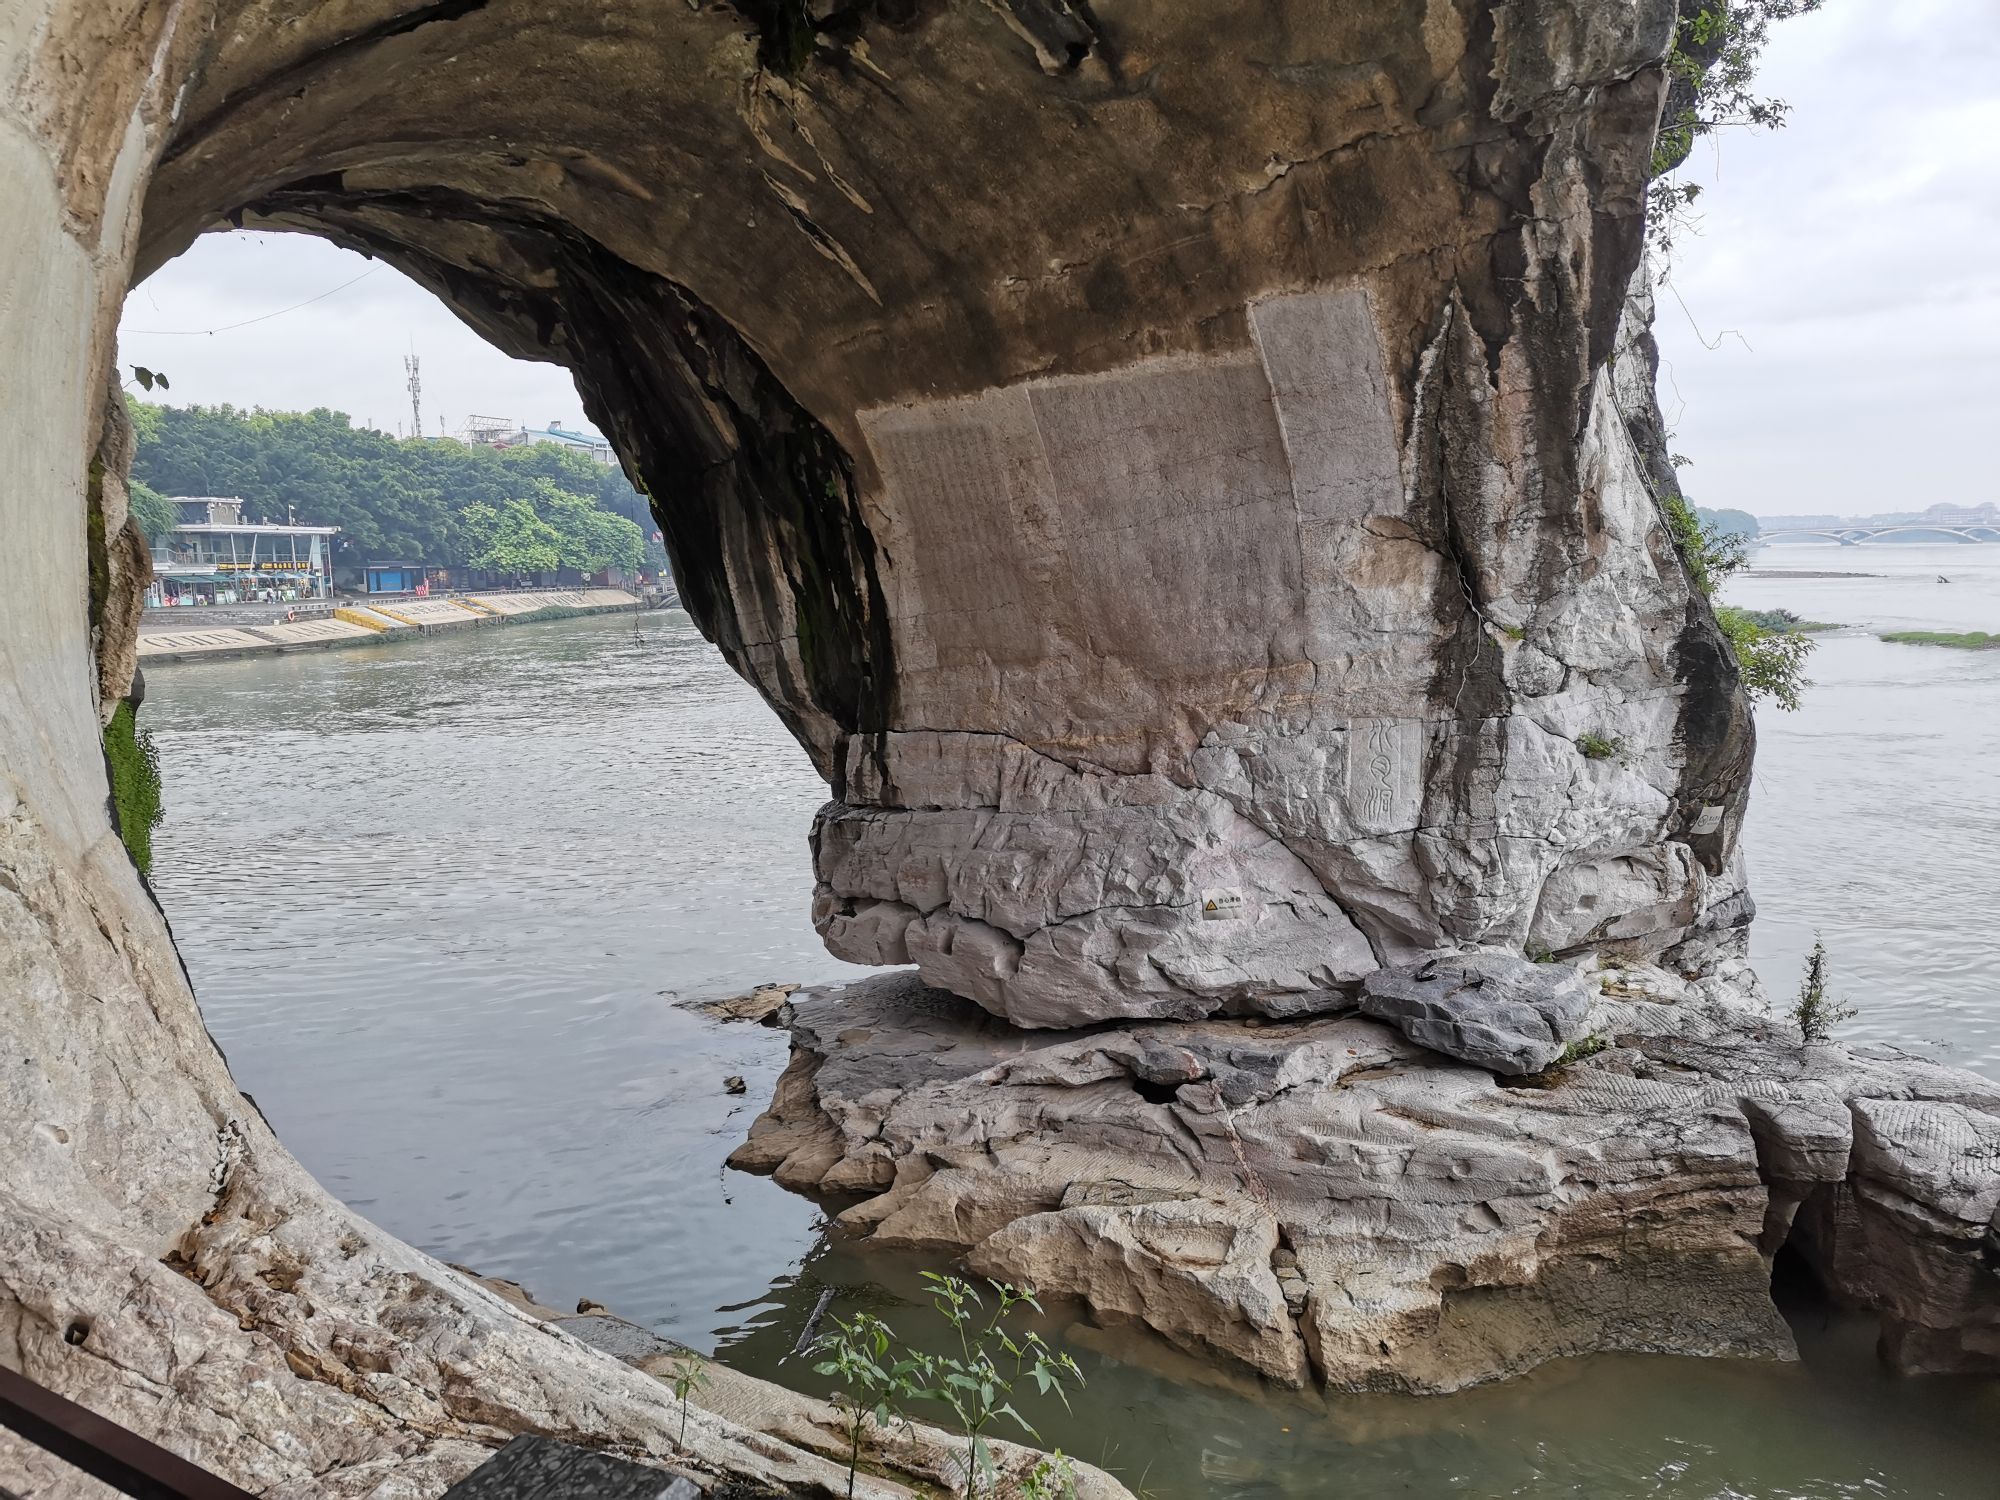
(1156, 459)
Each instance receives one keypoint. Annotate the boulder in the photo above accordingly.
(1326, 1199)
(1493, 1010)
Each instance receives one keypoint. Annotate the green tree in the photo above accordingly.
(511, 539)
(1729, 522)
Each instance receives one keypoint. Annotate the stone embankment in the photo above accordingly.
(1325, 1199)
(372, 622)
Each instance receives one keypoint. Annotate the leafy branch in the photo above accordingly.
(1711, 78)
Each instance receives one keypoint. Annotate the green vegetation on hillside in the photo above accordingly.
(528, 509)
(135, 783)
(1963, 640)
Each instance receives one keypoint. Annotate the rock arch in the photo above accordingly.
(1147, 457)
(1135, 482)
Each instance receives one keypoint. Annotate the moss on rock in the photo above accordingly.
(134, 765)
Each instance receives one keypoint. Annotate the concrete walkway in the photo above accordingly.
(365, 624)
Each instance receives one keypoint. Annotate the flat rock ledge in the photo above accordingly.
(1327, 1200)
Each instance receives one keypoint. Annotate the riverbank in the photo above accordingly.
(375, 622)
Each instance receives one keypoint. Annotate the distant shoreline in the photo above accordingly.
(362, 624)
(1805, 573)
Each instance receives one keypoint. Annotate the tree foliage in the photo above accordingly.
(1771, 662)
(1711, 78)
(153, 511)
(438, 502)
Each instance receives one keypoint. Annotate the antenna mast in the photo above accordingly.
(416, 396)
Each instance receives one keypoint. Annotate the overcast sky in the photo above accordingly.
(1846, 270)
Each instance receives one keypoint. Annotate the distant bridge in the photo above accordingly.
(1855, 536)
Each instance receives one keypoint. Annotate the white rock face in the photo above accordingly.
(1324, 1199)
(1261, 703)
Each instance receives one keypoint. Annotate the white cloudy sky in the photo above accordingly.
(1846, 270)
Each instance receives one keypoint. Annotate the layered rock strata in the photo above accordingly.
(1324, 1200)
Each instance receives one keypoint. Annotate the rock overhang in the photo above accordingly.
(1214, 440)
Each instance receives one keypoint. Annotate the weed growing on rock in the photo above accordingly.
(872, 1387)
(690, 1374)
(1054, 1478)
(1597, 746)
(1816, 1011)
(978, 1384)
(1578, 1050)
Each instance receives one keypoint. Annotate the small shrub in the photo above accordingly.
(1772, 662)
(1711, 555)
(690, 1374)
(1816, 1011)
(134, 763)
(1597, 746)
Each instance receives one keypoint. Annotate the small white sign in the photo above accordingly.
(1219, 906)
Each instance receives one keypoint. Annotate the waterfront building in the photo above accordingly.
(215, 557)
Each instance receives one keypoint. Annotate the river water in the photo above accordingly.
(443, 903)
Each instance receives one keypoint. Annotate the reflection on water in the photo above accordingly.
(439, 899)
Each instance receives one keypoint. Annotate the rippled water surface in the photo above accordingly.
(440, 901)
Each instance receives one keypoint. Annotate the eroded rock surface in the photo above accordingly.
(1325, 1199)
(1493, 1010)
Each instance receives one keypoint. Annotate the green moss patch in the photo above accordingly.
(134, 764)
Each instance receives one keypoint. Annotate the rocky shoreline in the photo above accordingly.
(1326, 1201)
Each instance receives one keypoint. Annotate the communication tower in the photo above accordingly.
(416, 396)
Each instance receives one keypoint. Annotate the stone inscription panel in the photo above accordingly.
(1385, 775)
(1179, 538)
(968, 497)
(1323, 359)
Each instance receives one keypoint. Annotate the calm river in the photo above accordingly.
(441, 901)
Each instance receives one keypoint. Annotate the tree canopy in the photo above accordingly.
(527, 509)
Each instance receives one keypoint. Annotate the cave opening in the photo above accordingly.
(443, 988)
